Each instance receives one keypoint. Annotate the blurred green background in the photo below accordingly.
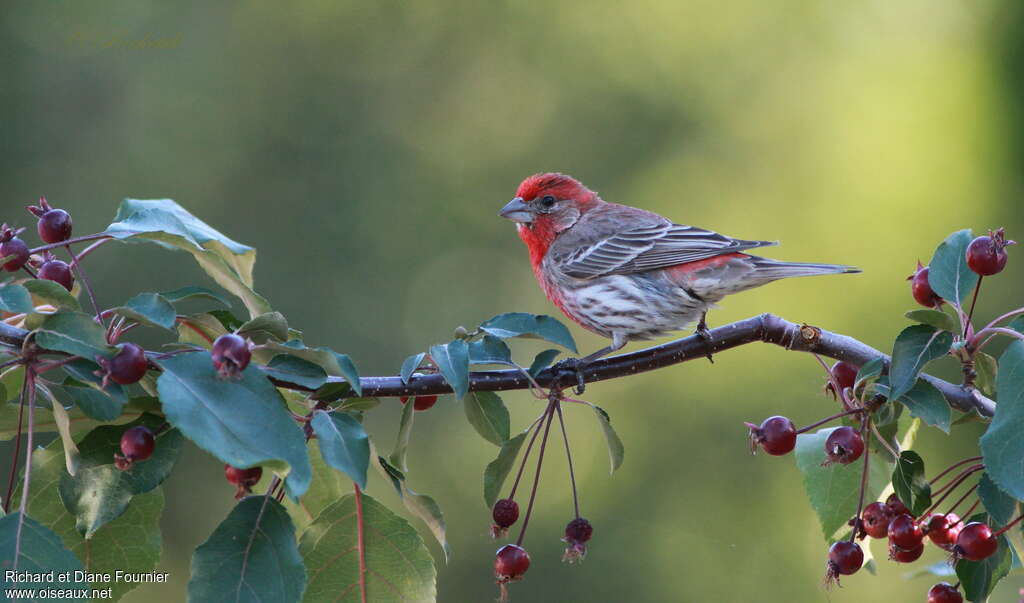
(365, 148)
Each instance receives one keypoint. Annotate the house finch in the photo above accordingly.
(626, 273)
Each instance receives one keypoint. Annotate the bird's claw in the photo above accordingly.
(570, 367)
(705, 335)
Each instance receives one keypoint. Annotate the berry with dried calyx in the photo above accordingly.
(128, 366)
(942, 529)
(420, 402)
(137, 444)
(510, 563)
(986, 255)
(921, 289)
(505, 513)
(577, 533)
(875, 520)
(844, 558)
(904, 533)
(944, 592)
(844, 446)
(243, 479)
(905, 555)
(896, 506)
(13, 248)
(54, 225)
(975, 542)
(776, 435)
(57, 271)
(230, 354)
(844, 373)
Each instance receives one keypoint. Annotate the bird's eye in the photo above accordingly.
(547, 201)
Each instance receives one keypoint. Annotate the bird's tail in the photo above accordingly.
(774, 269)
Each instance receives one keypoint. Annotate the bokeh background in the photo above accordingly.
(364, 149)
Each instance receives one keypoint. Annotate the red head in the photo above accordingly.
(545, 205)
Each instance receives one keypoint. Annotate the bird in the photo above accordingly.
(629, 274)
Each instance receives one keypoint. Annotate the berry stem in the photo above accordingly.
(992, 331)
(30, 386)
(974, 300)
(183, 320)
(962, 498)
(1006, 316)
(81, 255)
(29, 271)
(568, 456)
(549, 416)
(954, 466)
(17, 450)
(972, 508)
(863, 481)
(76, 267)
(950, 487)
(955, 481)
(361, 542)
(835, 384)
(72, 241)
(1003, 529)
(838, 415)
(536, 425)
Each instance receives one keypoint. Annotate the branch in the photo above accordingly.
(765, 328)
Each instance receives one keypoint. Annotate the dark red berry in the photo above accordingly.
(505, 513)
(128, 365)
(57, 271)
(776, 435)
(922, 289)
(16, 248)
(944, 592)
(230, 354)
(896, 506)
(421, 402)
(975, 542)
(54, 226)
(137, 444)
(904, 555)
(244, 479)
(844, 373)
(577, 533)
(986, 255)
(904, 533)
(510, 563)
(943, 529)
(844, 445)
(844, 559)
(875, 519)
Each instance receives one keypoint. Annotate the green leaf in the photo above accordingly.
(488, 415)
(74, 333)
(948, 273)
(398, 455)
(910, 484)
(200, 329)
(928, 403)
(149, 309)
(399, 566)
(1001, 507)
(95, 497)
(15, 298)
(410, 365)
(979, 578)
(615, 448)
(489, 350)
(936, 318)
(872, 369)
(40, 552)
(420, 505)
(453, 361)
(833, 490)
(542, 361)
(498, 469)
(338, 365)
(169, 225)
(520, 324)
(293, 369)
(328, 486)
(191, 292)
(251, 556)
(986, 368)
(49, 292)
(358, 404)
(343, 444)
(242, 422)
(916, 346)
(1002, 446)
(94, 403)
(226, 319)
(271, 325)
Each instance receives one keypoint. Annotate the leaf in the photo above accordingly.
(410, 365)
(872, 369)
(420, 505)
(926, 402)
(404, 433)
(242, 422)
(915, 346)
(520, 324)
(979, 578)
(200, 329)
(74, 333)
(251, 556)
(488, 415)
(15, 298)
(149, 309)
(542, 361)
(72, 457)
(192, 292)
(358, 404)
(453, 361)
(1001, 507)
(498, 469)
(338, 365)
(936, 318)
(615, 448)
(986, 369)
(49, 292)
(1002, 446)
(40, 552)
(489, 350)
(328, 486)
(910, 484)
(271, 325)
(343, 444)
(295, 370)
(833, 490)
(948, 273)
(399, 566)
(169, 225)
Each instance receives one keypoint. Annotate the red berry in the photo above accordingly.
(944, 592)
(230, 354)
(903, 555)
(776, 435)
(57, 271)
(844, 558)
(244, 479)
(844, 373)
(505, 513)
(904, 533)
(975, 542)
(896, 506)
(128, 366)
(54, 226)
(943, 529)
(421, 402)
(18, 249)
(510, 563)
(922, 289)
(844, 445)
(875, 519)
(986, 255)
(137, 444)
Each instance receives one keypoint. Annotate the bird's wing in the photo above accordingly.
(649, 247)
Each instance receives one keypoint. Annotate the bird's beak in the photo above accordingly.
(517, 211)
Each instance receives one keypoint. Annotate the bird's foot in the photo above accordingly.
(705, 334)
(570, 369)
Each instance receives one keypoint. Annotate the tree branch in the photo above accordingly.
(765, 328)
